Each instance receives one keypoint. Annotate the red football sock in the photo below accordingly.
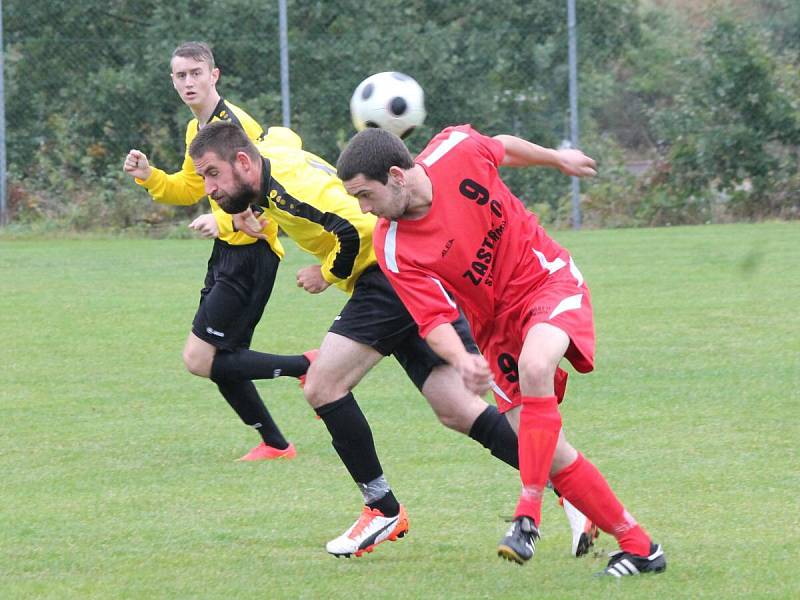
(560, 384)
(539, 425)
(585, 487)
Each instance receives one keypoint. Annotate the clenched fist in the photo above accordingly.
(137, 165)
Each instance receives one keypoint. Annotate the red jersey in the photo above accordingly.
(477, 243)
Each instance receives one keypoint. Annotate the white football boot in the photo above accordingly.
(371, 528)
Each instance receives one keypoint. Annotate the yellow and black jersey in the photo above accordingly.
(303, 196)
(185, 187)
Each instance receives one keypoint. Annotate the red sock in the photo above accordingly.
(560, 384)
(539, 424)
(585, 487)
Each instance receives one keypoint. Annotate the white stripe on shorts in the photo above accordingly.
(569, 303)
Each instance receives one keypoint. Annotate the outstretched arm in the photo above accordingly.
(522, 153)
(184, 187)
(206, 225)
(137, 165)
(473, 368)
(311, 280)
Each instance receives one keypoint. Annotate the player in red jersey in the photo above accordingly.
(450, 233)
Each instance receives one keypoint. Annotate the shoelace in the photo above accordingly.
(367, 514)
(512, 519)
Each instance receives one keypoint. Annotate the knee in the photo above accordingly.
(311, 392)
(536, 376)
(456, 412)
(454, 421)
(317, 393)
(197, 363)
(453, 405)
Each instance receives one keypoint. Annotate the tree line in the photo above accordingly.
(707, 100)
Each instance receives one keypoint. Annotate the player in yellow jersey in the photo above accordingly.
(301, 193)
(241, 269)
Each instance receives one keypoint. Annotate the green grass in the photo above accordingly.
(118, 479)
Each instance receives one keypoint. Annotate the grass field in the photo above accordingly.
(118, 472)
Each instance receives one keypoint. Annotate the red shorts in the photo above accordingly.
(561, 302)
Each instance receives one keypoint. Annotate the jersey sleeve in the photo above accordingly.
(339, 216)
(462, 141)
(488, 148)
(182, 188)
(422, 293)
(282, 136)
(341, 261)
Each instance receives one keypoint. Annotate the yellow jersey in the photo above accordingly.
(185, 187)
(301, 193)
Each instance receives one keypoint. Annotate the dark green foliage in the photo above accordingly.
(735, 126)
(716, 107)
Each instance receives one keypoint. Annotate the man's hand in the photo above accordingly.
(311, 280)
(206, 226)
(575, 163)
(250, 224)
(136, 164)
(475, 373)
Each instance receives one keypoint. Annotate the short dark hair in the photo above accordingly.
(225, 139)
(371, 153)
(199, 51)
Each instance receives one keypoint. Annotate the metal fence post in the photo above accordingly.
(573, 108)
(3, 206)
(284, 45)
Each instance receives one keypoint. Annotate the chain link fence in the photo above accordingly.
(86, 81)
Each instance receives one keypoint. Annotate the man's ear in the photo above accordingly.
(244, 160)
(397, 174)
(214, 75)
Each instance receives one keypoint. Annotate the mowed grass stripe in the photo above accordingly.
(118, 469)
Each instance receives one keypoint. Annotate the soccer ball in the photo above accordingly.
(389, 100)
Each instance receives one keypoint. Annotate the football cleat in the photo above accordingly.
(371, 528)
(264, 452)
(584, 532)
(519, 544)
(311, 355)
(623, 564)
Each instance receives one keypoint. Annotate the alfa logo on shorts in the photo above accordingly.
(214, 332)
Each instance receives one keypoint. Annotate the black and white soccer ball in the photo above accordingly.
(389, 100)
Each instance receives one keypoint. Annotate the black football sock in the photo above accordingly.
(244, 399)
(249, 364)
(351, 437)
(495, 433)
(388, 505)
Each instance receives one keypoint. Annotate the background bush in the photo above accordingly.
(706, 95)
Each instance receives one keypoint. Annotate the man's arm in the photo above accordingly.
(522, 153)
(311, 280)
(250, 223)
(183, 188)
(473, 368)
(206, 225)
(136, 164)
(434, 311)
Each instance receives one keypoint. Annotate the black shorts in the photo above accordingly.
(375, 316)
(238, 284)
